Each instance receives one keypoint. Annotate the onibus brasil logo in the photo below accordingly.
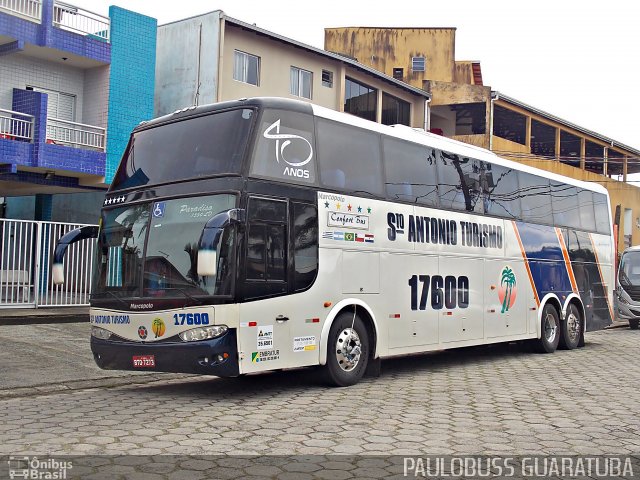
(283, 140)
(508, 289)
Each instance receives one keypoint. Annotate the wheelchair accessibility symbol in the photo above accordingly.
(158, 210)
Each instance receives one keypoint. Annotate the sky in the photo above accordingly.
(575, 60)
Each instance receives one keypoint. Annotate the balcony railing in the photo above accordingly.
(31, 9)
(77, 135)
(78, 20)
(15, 125)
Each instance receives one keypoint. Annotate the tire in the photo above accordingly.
(571, 329)
(550, 335)
(633, 323)
(346, 365)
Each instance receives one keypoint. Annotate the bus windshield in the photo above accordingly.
(630, 269)
(151, 249)
(195, 147)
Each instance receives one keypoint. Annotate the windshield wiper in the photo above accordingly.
(184, 292)
(113, 295)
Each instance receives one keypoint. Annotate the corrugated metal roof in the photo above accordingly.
(501, 96)
(331, 55)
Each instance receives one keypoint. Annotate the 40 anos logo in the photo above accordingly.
(293, 160)
(508, 290)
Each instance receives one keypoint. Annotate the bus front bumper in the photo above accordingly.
(218, 356)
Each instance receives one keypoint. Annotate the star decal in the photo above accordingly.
(359, 209)
(349, 207)
(326, 204)
(338, 206)
(109, 201)
(369, 210)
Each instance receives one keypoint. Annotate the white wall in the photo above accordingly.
(96, 96)
(18, 71)
(187, 54)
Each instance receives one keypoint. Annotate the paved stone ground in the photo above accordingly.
(497, 400)
(54, 357)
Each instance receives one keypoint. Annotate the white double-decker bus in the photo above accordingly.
(269, 233)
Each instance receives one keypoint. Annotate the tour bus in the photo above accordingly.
(269, 233)
(626, 300)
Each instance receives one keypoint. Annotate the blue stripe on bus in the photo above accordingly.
(546, 262)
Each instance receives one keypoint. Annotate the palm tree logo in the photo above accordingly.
(508, 290)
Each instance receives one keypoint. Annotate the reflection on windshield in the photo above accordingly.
(630, 269)
(167, 267)
(193, 147)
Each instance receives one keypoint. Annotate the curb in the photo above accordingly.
(73, 386)
(41, 319)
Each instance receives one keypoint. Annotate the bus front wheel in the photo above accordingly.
(571, 328)
(347, 350)
(550, 336)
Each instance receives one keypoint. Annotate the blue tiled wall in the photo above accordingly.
(42, 154)
(132, 79)
(46, 35)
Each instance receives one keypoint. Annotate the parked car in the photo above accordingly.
(626, 299)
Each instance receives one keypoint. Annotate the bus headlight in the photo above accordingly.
(100, 333)
(203, 333)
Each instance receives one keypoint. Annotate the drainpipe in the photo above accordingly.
(427, 115)
(494, 96)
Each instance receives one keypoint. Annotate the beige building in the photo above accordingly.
(213, 57)
(462, 107)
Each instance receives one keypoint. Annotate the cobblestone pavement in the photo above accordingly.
(499, 400)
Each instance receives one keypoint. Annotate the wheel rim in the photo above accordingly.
(573, 326)
(550, 328)
(348, 349)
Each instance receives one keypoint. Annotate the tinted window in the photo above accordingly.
(601, 209)
(410, 172)
(305, 245)
(265, 209)
(394, 110)
(460, 183)
(284, 148)
(266, 271)
(535, 198)
(564, 200)
(502, 192)
(266, 252)
(360, 100)
(194, 147)
(349, 158)
(585, 202)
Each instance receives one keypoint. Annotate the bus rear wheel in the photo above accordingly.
(347, 350)
(550, 336)
(571, 328)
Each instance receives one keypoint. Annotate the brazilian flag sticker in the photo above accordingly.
(349, 237)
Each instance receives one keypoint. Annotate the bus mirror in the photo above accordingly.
(75, 235)
(207, 262)
(210, 238)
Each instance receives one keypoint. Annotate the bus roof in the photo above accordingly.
(399, 131)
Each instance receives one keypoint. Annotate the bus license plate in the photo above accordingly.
(144, 361)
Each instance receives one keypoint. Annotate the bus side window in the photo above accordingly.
(349, 158)
(305, 245)
(266, 271)
(501, 192)
(601, 212)
(564, 200)
(535, 196)
(410, 172)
